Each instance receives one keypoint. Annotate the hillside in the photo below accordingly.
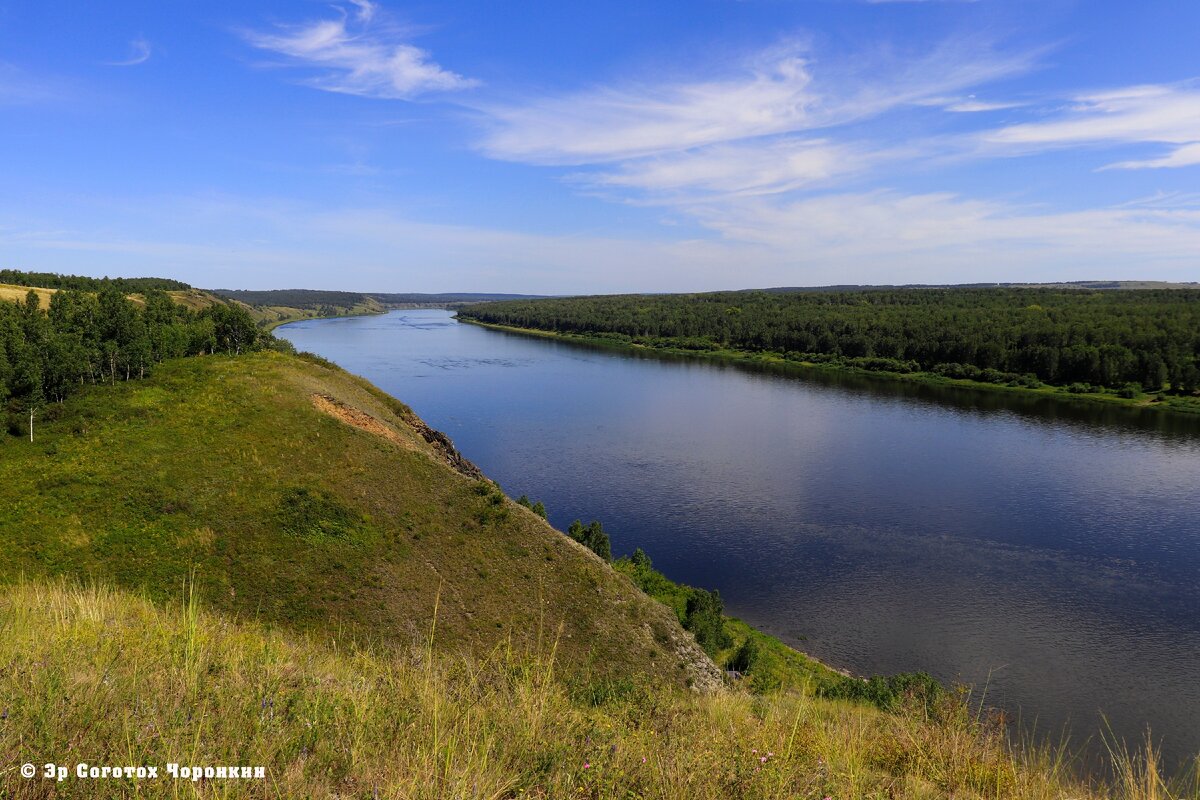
(300, 495)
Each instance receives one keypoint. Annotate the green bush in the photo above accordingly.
(592, 537)
(744, 657)
(704, 617)
(317, 515)
(890, 693)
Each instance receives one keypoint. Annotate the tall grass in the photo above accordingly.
(97, 676)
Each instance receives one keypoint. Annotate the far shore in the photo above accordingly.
(1155, 401)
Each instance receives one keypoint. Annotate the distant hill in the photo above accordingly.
(851, 287)
(311, 299)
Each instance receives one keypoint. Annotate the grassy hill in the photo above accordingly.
(297, 494)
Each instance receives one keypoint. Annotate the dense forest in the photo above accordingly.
(94, 336)
(1125, 340)
(52, 280)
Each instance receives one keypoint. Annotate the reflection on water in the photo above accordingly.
(1049, 549)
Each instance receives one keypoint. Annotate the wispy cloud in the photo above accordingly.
(770, 96)
(773, 92)
(18, 87)
(873, 234)
(970, 105)
(139, 53)
(361, 54)
(734, 169)
(1148, 114)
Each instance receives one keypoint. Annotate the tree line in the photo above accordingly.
(1147, 338)
(52, 280)
(89, 337)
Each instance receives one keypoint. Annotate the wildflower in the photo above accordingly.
(587, 765)
(643, 759)
(763, 759)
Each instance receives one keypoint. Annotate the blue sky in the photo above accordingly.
(601, 147)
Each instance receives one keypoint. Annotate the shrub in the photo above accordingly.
(592, 537)
(744, 657)
(318, 515)
(891, 693)
(703, 616)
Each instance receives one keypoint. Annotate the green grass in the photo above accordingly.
(101, 676)
(222, 468)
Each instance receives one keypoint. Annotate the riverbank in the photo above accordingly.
(1156, 401)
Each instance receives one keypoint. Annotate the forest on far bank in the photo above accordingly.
(1129, 340)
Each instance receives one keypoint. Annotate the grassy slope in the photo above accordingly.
(16, 293)
(1157, 401)
(271, 317)
(105, 678)
(268, 317)
(190, 471)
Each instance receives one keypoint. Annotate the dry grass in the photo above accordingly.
(18, 293)
(102, 677)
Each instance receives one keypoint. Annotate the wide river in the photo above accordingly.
(1047, 552)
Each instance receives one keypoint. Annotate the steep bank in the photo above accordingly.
(234, 471)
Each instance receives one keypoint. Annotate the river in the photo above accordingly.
(1046, 552)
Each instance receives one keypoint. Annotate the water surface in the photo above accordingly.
(1047, 550)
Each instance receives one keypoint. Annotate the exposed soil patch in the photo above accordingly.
(365, 422)
(358, 419)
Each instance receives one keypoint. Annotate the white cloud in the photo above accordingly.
(609, 124)
(972, 106)
(777, 91)
(358, 55)
(745, 168)
(1161, 114)
(943, 237)
(139, 53)
(1186, 156)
